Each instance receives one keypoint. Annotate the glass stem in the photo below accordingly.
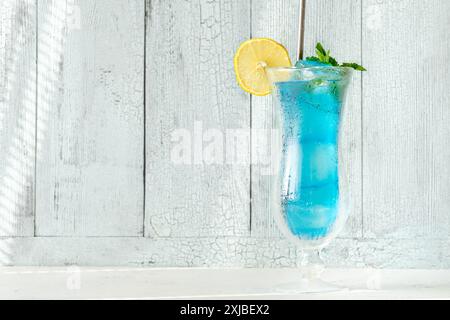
(311, 265)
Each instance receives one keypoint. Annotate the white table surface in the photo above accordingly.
(146, 283)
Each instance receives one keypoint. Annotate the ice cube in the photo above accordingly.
(319, 164)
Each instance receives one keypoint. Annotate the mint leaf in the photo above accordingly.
(324, 56)
(320, 49)
(354, 66)
(313, 59)
(328, 56)
(333, 62)
(321, 53)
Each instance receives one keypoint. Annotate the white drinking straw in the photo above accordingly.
(301, 30)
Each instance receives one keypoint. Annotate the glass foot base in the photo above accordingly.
(315, 285)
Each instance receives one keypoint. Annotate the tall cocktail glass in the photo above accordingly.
(310, 189)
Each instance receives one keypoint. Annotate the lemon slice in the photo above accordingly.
(252, 57)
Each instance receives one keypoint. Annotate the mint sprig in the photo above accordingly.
(323, 56)
(354, 66)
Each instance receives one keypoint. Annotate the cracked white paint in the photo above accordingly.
(224, 252)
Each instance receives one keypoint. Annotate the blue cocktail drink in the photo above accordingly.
(310, 186)
(310, 102)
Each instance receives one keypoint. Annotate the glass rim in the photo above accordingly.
(293, 68)
(330, 73)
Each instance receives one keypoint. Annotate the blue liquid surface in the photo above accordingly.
(309, 173)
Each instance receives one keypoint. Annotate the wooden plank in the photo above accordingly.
(17, 117)
(192, 103)
(337, 24)
(278, 20)
(222, 252)
(90, 118)
(406, 119)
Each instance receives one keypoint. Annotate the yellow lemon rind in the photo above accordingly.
(235, 62)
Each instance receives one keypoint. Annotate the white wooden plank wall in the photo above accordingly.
(117, 119)
(17, 116)
(406, 115)
(272, 19)
(191, 102)
(89, 174)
